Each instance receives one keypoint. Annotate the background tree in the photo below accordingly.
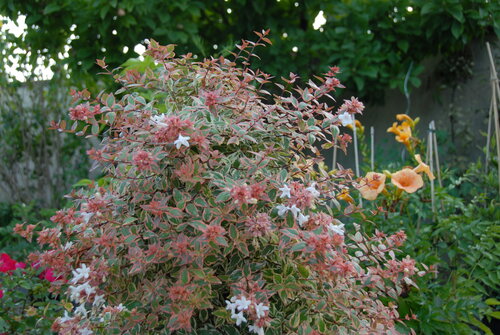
(376, 43)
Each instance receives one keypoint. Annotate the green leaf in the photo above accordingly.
(492, 302)
(222, 241)
(427, 8)
(456, 29)
(304, 271)
(481, 326)
(184, 276)
(192, 210)
(403, 45)
(110, 101)
(51, 8)
(495, 314)
(223, 197)
(457, 13)
(295, 319)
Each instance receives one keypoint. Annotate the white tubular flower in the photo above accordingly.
(181, 140)
(243, 303)
(231, 306)
(67, 245)
(282, 209)
(120, 307)
(98, 300)
(301, 219)
(295, 211)
(158, 120)
(312, 189)
(65, 318)
(239, 318)
(337, 229)
(256, 330)
(86, 216)
(86, 331)
(81, 310)
(260, 310)
(81, 273)
(346, 119)
(285, 191)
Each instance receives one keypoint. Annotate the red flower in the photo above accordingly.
(48, 274)
(7, 264)
(1, 294)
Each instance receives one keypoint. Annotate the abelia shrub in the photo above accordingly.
(219, 215)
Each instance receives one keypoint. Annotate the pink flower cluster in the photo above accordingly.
(84, 112)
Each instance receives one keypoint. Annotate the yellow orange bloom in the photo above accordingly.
(371, 185)
(407, 180)
(422, 167)
(404, 117)
(344, 195)
(404, 134)
(359, 126)
(394, 129)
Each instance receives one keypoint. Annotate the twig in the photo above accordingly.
(494, 85)
(334, 162)
(372, 148)
(356, 158)
(431, 164)
(488, 137)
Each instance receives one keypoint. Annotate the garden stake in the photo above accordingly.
(488, 137)
(429, 146)
(334, 162)
(372, 147)
(495, 86)
(356, 159)
(436, 153)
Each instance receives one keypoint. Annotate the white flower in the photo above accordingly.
(98, 300)
(346, 119)
(86, 216)
(302, 219)
(260, 310)
(81, 310)
(295, 211)
(68, 245)
(86, 331)
(120, 307)
(239, 318)
(65, 318)
(158, 120)
(282, 209)
(87, 288)
(242, 303)
(231, 306)
(312, 189)
(285, 191)
(256, 330)
(82, 272)
(76, 291)
(181, 140)
(337, 229)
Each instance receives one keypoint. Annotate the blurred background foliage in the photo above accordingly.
(375, 42)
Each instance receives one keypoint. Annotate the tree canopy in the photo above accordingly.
(375, 42)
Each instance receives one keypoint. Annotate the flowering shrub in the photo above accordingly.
(220, 213)
(26, 306)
